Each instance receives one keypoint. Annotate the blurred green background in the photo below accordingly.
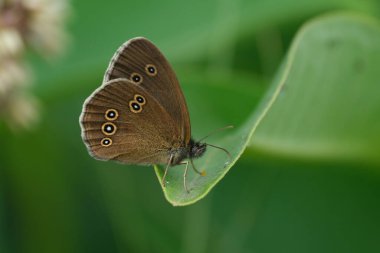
(55, 198)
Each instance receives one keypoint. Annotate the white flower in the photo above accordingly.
(23, 24)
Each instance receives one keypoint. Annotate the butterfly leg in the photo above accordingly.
(203, 173)
(185, 175)
(166, 171)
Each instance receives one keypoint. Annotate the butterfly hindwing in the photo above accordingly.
(122, 121)
(141, 62)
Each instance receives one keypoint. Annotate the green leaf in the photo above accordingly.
(329, 106)
(323, 102)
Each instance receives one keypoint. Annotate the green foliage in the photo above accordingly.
(308, 181)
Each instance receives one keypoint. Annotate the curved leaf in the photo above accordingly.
(322, 102)
(330, 104)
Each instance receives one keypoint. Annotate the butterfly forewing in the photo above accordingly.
(122, 121)
(141, 62)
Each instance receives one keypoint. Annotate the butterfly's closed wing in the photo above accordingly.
(122, 121)
(142, 63)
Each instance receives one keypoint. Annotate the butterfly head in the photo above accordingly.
(197, 149)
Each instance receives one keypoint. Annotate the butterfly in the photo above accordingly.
(139, 113)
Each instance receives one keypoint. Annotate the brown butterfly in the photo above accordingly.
(139, 114)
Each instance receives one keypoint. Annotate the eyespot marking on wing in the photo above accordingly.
(106, 142)
(136, 78)
(140, 99)
(111, 114)
(109, 128)
(135, 107)
(151, 70)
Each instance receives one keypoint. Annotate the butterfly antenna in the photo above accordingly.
(216, 131)
(223, 149)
